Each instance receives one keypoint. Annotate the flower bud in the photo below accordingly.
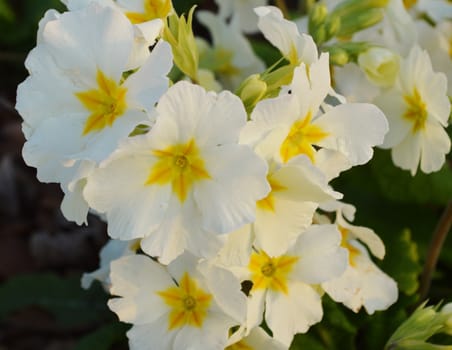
(317, 16)
(419, 327)
(179, 33)
(360, 21)
(380, 65)
(252, 90)
(338, 56)
(446, 311)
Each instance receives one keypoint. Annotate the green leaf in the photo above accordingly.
(402, 261)
(63, 298)
(104, 337)
(306, 341)
(398, 185)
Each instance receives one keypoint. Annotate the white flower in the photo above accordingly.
(437, 41)
(286, 212)
(76, 104)
(284, 35)
(300, 123)
(111, 251)
(234, 59)
(241, 11)
(362, 283)
(284, 285)
(183, 181)
(184, 306)
(417, 108)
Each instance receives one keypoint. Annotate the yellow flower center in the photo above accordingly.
(409, 3)
(241, 345)
(179, 165)
(268, 203)
(189, 304)
(271, 273)
(301, 137)
(152, 9)
(416, 111)
(353, 252)
(106, 103)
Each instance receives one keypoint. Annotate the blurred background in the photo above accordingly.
(42, 256)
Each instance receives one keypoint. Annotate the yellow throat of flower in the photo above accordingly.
(271, 273)
(268, 203)
(152, 9)
(301, 137)
(416, 111)
(106, 103)
(189, 304)
(181, 166)
(409, 3)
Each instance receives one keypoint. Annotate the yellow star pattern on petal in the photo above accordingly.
(152, 9)
(301, 137)
(179, 165)
(416, 111)
(106, 103)
(189, 304)
(271, 273)
(268, 203)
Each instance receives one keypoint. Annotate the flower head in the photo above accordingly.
(183, 181)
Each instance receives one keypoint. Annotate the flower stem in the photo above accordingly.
(439, 236)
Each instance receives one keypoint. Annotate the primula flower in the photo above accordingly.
(333, 137)
(184, 180)
(418, 109)
(77, 104)
(185, 305)
(286, 212)
(284, 35)
(437, 41)
(284, 285)
(362, 283)
(147, 28)
(231, 56)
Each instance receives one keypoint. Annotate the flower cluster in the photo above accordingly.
(219, 204)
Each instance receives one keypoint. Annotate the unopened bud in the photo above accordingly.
(360, 21)
(338, 56)
(380, 65)
(179, 34)
(318, 14)
(252, 90)
(332, 25)
(316, 24)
